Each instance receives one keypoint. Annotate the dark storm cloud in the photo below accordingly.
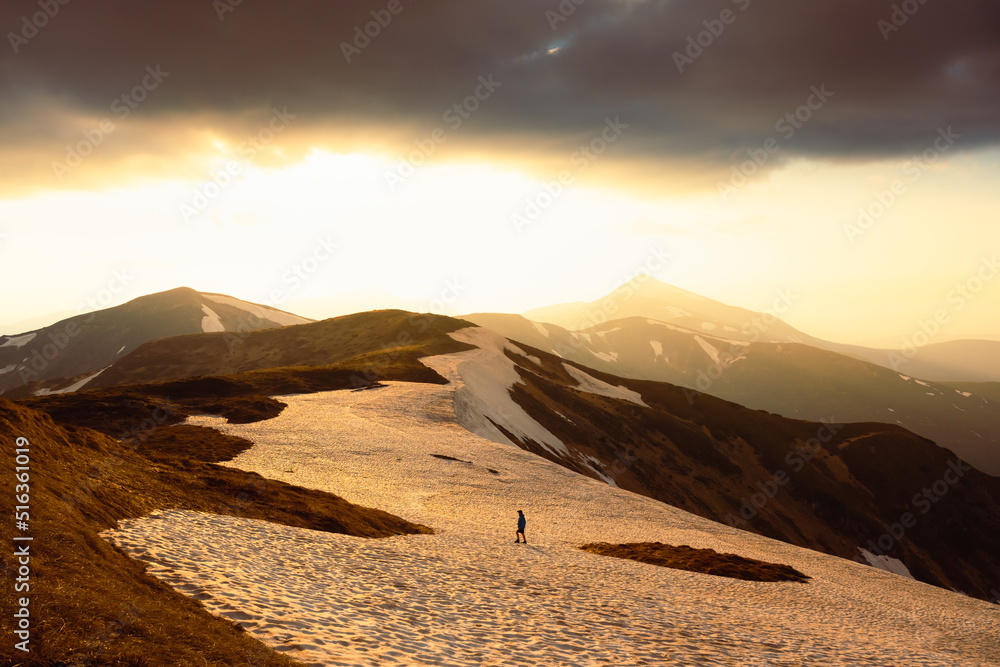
(893, 83)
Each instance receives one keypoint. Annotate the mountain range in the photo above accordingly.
(647, 297)
(727, 414)
(73, 351)
(758, 361)
(667, 437)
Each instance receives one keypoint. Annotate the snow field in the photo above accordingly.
(470, 596)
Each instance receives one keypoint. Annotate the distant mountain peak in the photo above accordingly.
(56, 357)
(649, 298)
(644, 282)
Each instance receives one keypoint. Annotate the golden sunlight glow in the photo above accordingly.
(514, 239)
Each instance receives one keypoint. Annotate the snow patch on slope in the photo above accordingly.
(341, 601)
(677, 312)
(592, 385)
(597, 466)
(7, 369)
(211, 322)
(541, 329)
(672, 327)
(887, 563)
(76, 386)
(530, 357)
(709, 349)
(657, 348)
(273, 314)
(19, 341)
(483, 379)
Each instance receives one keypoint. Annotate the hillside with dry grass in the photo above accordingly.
(91, 604)
(115, 452)
(375, 343)
(71, 351)
(829, 487)
(102, 455)
(799, 381)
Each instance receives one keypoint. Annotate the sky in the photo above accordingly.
(480, 155)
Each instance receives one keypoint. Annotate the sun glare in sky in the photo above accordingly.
(569, 153)
(514, 242)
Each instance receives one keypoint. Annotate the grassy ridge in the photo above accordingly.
(107, 454)
(828, 487)
(91, 604)
(373, 343)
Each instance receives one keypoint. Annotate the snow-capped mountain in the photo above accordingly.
(648, 298)
(645, 297)
(466, 422)
(792, 379)
(77, 349)
(688, 449)
(468, 596)
(827, 485)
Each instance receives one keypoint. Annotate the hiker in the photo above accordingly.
(520, 527)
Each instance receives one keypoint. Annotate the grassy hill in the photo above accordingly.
(374, 342)
(792, 379)
(102, 455)
(110, 453)
(90, 604)
(831, 487)
(82, 345)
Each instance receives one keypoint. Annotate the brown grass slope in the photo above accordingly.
(95, 605)
(370, 340)
(802, 382)
(705, 561)
(720, 460)
(123, 412)
(799, 381)
(90, 604)
(702, 454)
(693, 451)
(988, 390)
